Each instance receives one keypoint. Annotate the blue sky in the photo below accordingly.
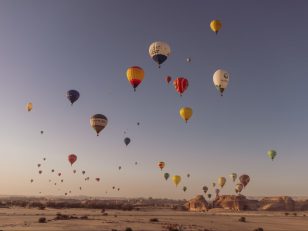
(49, 47)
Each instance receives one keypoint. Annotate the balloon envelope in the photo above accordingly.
(72, 158)
(159, 52)
(127, 141)
(221, 181)
(98, 122)
(166, 176)
(244, 179)
(215, 25)
(186, 113)
(161, 165)
(72, 96)
(135, 76)
(221, 80)
(272, 154)
(176, 179)
(180, 84)
(29, 106)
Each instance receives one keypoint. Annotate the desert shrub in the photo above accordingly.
(105, 214)
(154, 220)
(174, 227)
(295, 214)
(41, 207)
(42, 220)
(242, 219)
(259, 229)
(286, 214)
(128, 229)
(84, 217)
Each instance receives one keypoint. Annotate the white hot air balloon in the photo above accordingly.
(159, 52)
(221, 80)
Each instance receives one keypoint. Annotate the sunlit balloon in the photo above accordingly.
(98, 122)
(221, 181)
(186, 113)
(188, 60)
(215, 25)
(159, 52)
(272, 154)
(29, 106)
(233, 176)
(180, 84)
(238, 188)
(221, 79)
(176, 179)
(135, 76)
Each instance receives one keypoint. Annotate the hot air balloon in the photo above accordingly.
(40, 172)
(168, 79)
(221, 181)
(209, 195)
(97, 179)
(213, 184)
(74, 171)
(31, 180)
(113, 187)
(136, 163)
(127, 141)
(38, 165)
(72, 158)
(52, 170)
(188, 60)
(221, 80)
(217, 191)
(65, 194)
(61, 181)
(176, 179)
(166, 175)
(238, 188)
(79, 188)
(55, 183)
(244, 179)
(44, 159)
(184, 188)
(72, 96)
(98, 122)
(180, 84)
(83, 172)
(135, 75)
(118, 189)
(161, 165)
(205, 189)
(59, 174)
(159, 52)
(29, 106)
(42, 132)
(215, 25)
(186, 113)
(272, 154)
(138, 123)
(188, 175)
(119, 167)
(233, 176)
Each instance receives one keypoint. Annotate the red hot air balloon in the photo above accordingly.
(97, 179)
(168, 79)
(72, 158)
(180, 84)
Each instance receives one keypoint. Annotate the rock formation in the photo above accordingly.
(281, 203)
(197, 204)
(236, 203)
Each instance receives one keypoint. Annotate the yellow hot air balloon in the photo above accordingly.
(186, 113)
(29, 106)
(176, 179)
(215, 25)
(135, 75)
(221, 181)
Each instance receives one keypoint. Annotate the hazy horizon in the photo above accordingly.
(49, 47)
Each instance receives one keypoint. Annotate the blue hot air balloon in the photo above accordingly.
(72, 96)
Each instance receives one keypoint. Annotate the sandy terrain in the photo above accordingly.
(27, 219)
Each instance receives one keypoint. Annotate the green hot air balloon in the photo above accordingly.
(166, 175)
(272, 154)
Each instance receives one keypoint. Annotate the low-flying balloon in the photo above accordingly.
(98, 122)
(215, 25)
(176, 179)
(233, 176)
(217, 191)
(186, 113)
(221, 181)
(221, 79)
(209, 195)
(168, 79)
(180, 84)
(72, 96)
(238, 188)
(135, 76)
(159, 52)
(244, 179)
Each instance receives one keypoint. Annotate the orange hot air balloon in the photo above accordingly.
(161, 165)
(135, 76)
(97, 179)
(180, 84)
(72, 158)
(168, 79)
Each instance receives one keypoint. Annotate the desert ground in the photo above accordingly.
(16, 218)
